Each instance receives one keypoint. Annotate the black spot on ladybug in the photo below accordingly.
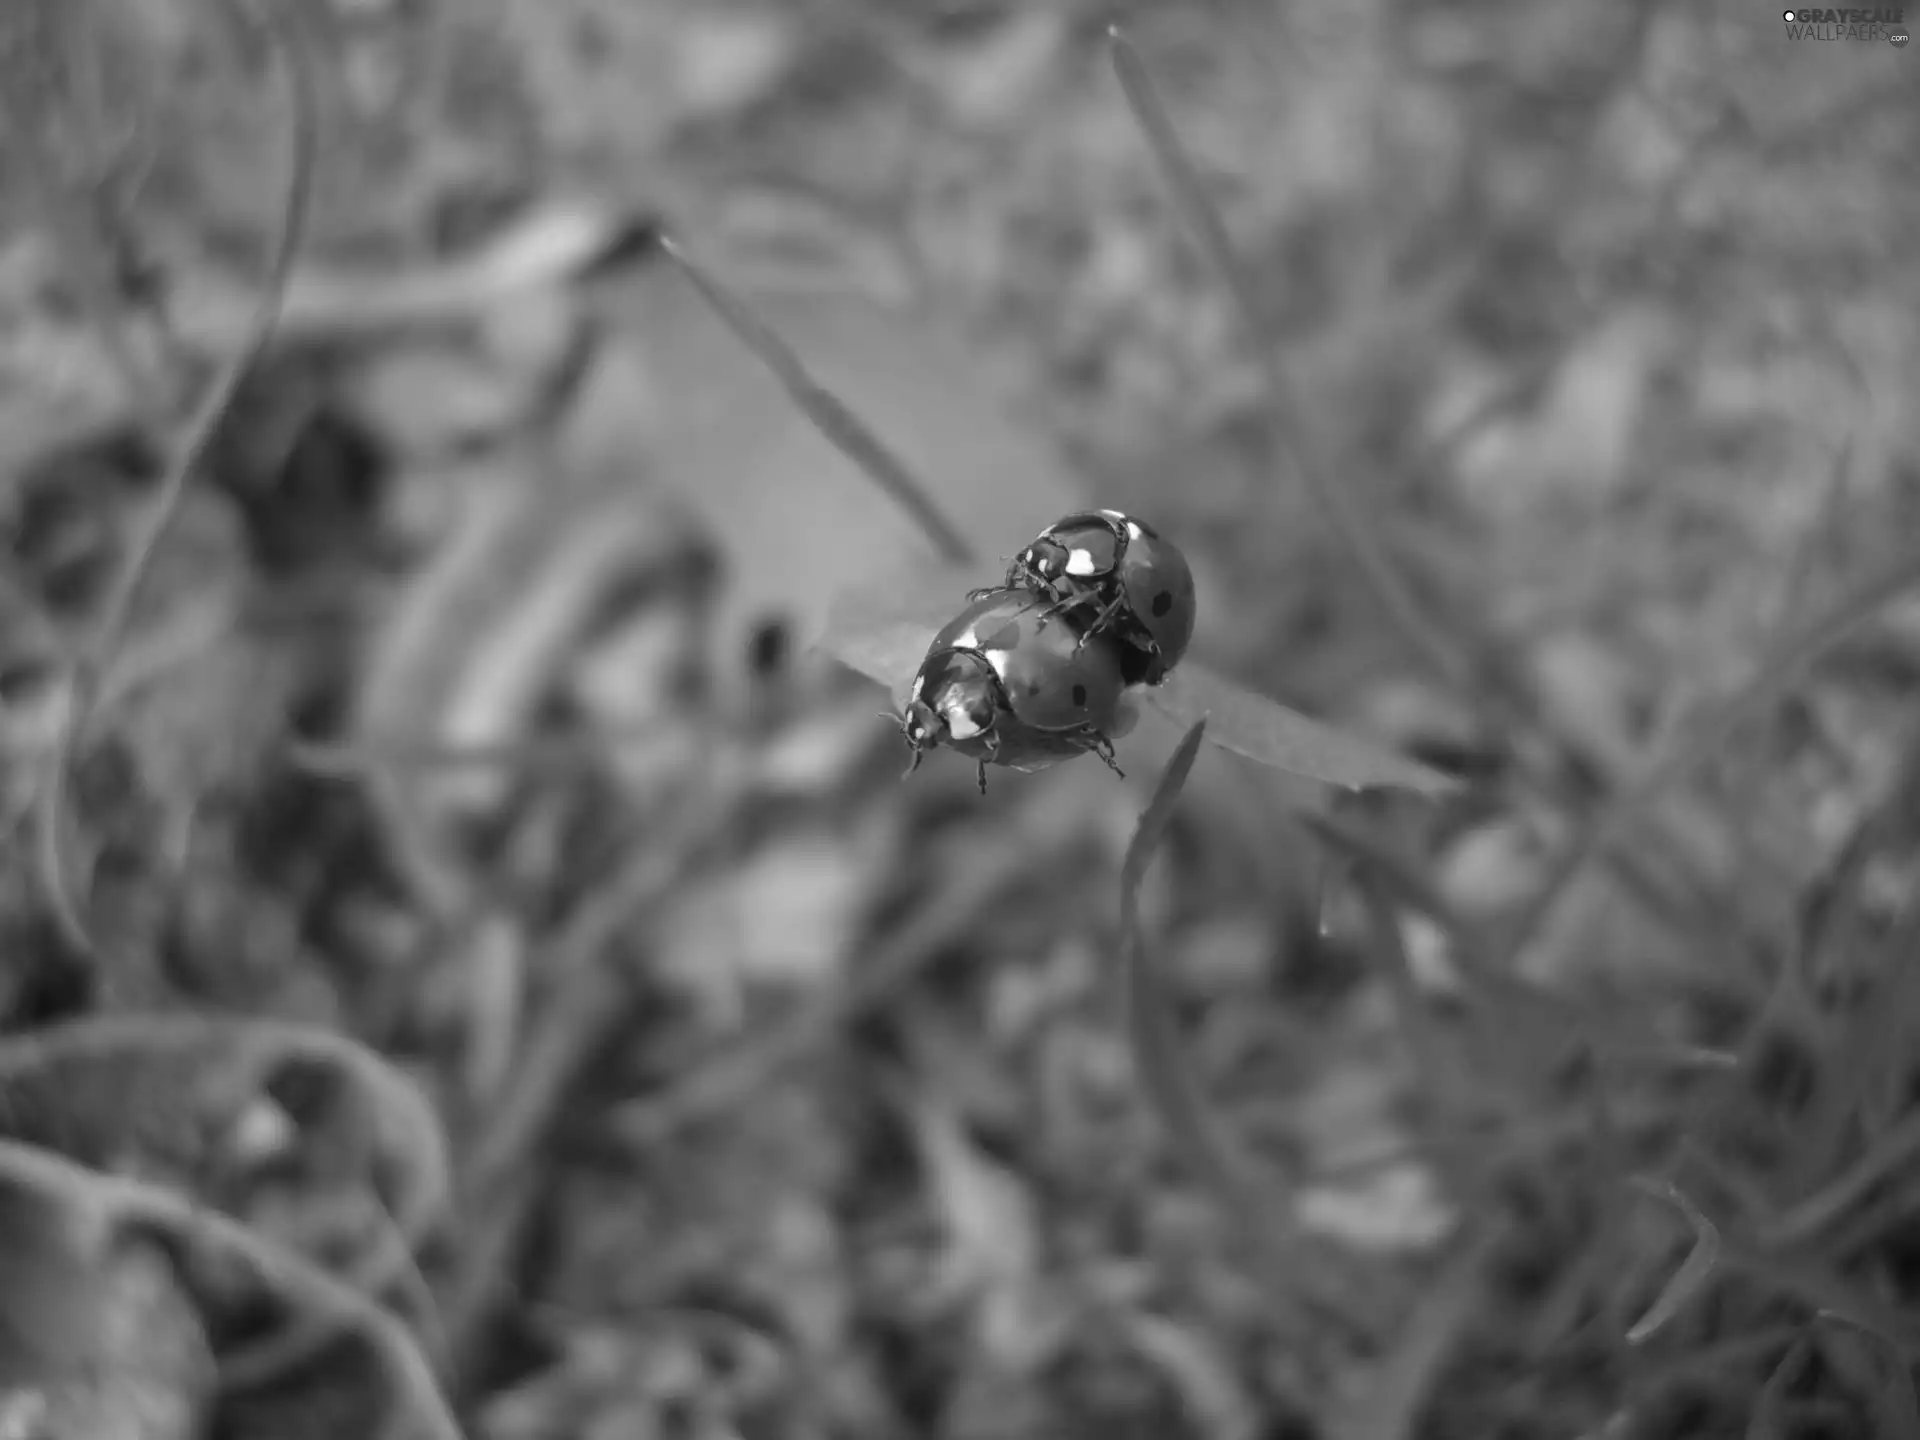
(1080, 696)
(1162, 603)
(769, 648)
(1005, 638)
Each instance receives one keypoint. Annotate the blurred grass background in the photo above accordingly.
(787, 1101)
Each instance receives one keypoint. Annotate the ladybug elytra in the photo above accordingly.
(1003, 686)
(1136, 584)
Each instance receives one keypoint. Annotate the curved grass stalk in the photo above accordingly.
(831, 416)
(189, 453)
(116, 1201)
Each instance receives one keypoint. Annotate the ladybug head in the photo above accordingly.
(1046, 558)
(923, 729)
(954, 700)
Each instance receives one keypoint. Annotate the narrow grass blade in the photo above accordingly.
(1268, 732)
(1889, 1154)
(1385, 1401)
(1349, 523)
(128, 1205)
(1447, 1084)
(1897, 1404)
(832, 417)
(1166, 1074)
(1691, 1277)
(1768, 1421)
(1405, 883)
(188, 454)
(1787, 661)
(1810, 1280)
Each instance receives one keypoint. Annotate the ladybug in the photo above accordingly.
(1137, 584)
(1002, 685)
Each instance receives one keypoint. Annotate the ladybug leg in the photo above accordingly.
(1059, 606)
(1103, 747)
(1010, 583)
(1093, 625)
(993, 752)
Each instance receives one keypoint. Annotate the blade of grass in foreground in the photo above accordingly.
(830, 415)
(1348, 521)
(187, 455)
(1691, 1278)
(1697, 740)
(1389, 1394)
(1170, 1085)
(1269, 733)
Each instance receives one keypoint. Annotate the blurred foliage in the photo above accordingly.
(518, 976)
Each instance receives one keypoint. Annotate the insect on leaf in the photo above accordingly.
(883, 630)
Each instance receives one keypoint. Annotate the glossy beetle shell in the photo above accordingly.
(1108, 564)
(956, 700)
(1049, 679)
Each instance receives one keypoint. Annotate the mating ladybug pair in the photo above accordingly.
(1032, 672)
